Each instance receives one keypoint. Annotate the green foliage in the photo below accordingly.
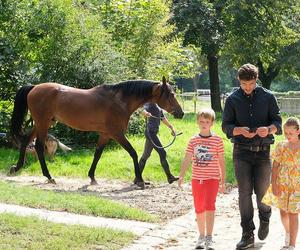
(201, 23)
(12, 70)
(5, 112)
(141, 31)
(84, 44)
(56, 41)
(260, 29)
(6, 108)
(265, 33)
(136, 125)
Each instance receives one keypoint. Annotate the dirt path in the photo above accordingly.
(164, 200)
(178, 227)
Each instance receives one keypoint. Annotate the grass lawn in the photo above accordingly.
(115, 163)
(70, 202)
(34, 234)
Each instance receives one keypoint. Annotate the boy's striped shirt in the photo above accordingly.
(205, 153)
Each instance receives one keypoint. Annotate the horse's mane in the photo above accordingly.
(140, 88)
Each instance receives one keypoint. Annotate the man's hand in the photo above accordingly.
(245, 131)
(146, 113)
(173, 131)
(262, 131)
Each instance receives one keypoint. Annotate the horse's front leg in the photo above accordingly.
(128, 147)
(101, 145)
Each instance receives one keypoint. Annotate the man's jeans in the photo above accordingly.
(252, 171)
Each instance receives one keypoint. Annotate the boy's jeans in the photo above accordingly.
(253, 172)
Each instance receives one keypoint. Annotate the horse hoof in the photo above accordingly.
(50, 181)
(12, 171)
(140, 184)
(172, 179)
(94, 182)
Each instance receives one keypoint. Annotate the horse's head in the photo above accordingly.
(166, 99)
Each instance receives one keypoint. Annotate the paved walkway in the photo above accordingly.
(180, 233)
(136, 227)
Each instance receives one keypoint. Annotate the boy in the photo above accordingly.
(206, 152)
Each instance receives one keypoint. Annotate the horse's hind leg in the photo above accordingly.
(24, 143)
(40, 148)
(101, 145)
(128, 147)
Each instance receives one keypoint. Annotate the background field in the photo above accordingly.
(115, 162)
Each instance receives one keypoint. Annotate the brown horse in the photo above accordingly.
(104, 108)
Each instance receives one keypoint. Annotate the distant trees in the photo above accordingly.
(201, 23)
(265, 33)
(141, 31)
(87, 43)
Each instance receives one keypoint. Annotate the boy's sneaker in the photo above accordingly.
(209, 243)
(291, 248)
(201, 242)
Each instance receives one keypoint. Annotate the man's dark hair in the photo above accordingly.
(247, 72)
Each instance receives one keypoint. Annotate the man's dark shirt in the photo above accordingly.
(260, 109)
(152, 122)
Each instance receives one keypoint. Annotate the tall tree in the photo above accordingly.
(141, 30)
(265, 33)
(202, 25)
(55, 40)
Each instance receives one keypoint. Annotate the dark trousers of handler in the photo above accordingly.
(252, 170)
(152, 135)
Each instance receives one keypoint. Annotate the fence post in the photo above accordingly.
(195, 102)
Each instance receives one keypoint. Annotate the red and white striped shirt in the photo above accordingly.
(205, 153)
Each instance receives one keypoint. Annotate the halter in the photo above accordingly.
(168, 145)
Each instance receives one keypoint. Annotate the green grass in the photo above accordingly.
(34, 234)
(71, 202)
(115, 163)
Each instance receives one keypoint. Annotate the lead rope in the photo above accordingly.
(160, 147)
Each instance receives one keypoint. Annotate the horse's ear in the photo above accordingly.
(164, 81)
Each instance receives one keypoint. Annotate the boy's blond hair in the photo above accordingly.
(207, 113)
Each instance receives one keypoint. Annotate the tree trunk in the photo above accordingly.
(266, 78)
(214, 83)
(195, 82)
(234, 81)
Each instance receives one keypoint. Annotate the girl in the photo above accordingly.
(284, 191)
(206, 151)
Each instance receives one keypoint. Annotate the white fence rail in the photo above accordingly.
(194, 101)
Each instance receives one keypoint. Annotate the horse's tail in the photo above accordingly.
(19, 112)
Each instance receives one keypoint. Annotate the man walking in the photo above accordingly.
(251, 116)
